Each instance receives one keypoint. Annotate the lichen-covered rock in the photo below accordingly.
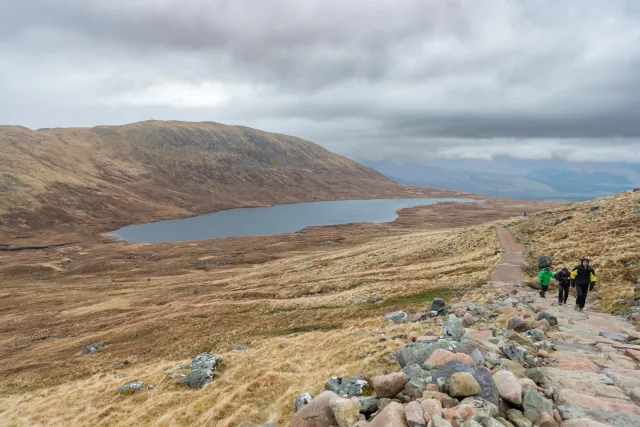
(545, 261)
(397, 317)
(197, 378)
(553, 320)
(368, 404)
(240, 347)
(535, 335)
(452, 328)
(518, 324)
(131, 388)
(91, 348)
(205, 361)
(533, 404)
(347, 387)
(301, 401)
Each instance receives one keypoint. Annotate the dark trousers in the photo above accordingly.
(582, 291)
(543, 289)
(563, 292)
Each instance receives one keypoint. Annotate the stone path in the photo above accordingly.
(597, 375)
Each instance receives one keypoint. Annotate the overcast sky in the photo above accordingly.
(368, 79)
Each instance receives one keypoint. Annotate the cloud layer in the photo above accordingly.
(401, 80)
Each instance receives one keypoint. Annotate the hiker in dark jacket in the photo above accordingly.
(563, 277)
(583, 277)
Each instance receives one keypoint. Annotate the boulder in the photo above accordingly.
(414, 415)
(431, 407)
(437, 305)
(346, 387)
(418, 352)
(197, 378)
(463, 384)
(483, 376)
(477, 357)
(553, 320)
(316, 413)
(397, 317)
(545, 261)
(509, 387)
(205, 361)
(345, 411)
(391, 416)
(389, 385)
(445, 400)
(452, 328)
(131, 388)
(534, 404)
(91, 348)
(518, 324)
(516, 353)
(481, 407)
(301, 401)
(534, 335)
(634, 394)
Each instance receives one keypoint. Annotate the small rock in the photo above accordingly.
(240, 347)
(368, 405)
(283, 345)
(346, 387)
(463, 384)
(518, 324)
(545, 420)
(131, 388)
(477, 357)
(535, 335)
(518, 419)
(431, 407)
(91, 348)
(397, 317)
(345, 411)
(437, 306)
(634, 394)
(301, 401)
(468, 320)
(553, 320)
(389, 385)
(438, 421)
(414, 415)
(509, 387)
(391, 416)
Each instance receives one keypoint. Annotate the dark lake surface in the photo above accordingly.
(270, 220)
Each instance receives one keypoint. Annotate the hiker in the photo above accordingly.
(563, 277)
(583, 277)
(543, 278)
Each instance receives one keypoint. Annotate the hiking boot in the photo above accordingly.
(581, 309)
(576, 307)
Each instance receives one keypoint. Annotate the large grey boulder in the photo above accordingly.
(545, 261)
(480, 373)
(437, 305)
(452, 328)
(419, 352)
(197, 378)
(553, 320)
(347, 387)
(205, 361)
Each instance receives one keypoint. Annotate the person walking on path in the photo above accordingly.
(583, 277)
(564, 280)
(543, 278)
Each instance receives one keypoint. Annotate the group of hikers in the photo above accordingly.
(582, 277)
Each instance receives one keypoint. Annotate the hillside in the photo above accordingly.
(607, 230)
(79, 181)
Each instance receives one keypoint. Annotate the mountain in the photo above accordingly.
(88, 180)
(517, 179)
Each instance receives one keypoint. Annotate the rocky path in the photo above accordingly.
(510, 359)
(597, 374)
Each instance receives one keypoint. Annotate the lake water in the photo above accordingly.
(269, 220)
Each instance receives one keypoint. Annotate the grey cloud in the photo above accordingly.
(419, 78)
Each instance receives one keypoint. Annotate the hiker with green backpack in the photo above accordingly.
(544, 278)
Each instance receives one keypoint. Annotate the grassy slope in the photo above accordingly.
(71, 180)
(158, 325)
(608, 235)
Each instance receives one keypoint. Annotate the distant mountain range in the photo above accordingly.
(516, 179)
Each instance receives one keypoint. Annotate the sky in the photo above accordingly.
(385, 79)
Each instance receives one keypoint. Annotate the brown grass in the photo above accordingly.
(304, 300)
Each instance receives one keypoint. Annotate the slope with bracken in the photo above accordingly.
(84, 180)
